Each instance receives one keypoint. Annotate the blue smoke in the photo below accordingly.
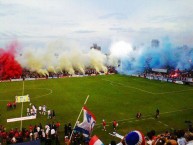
(164, 56)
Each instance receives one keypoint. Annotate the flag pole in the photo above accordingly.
(77, 119)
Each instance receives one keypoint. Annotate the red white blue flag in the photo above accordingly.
(95, 141)
(88, 123)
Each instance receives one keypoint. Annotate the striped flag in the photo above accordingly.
(95, 141)
(88, 123)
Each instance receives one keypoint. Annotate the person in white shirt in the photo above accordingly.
(13, 140)
(189, 138)
(49, 114)
(180, 138)
(31, 136)
(53, 131)
(33, 107)
(47, 130)
(44, 110)
(43, 135)
(38, 128)
(40, 109)
(28, 112)
(32, 112)
(35, 112)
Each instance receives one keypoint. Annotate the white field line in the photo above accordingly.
(164, 92)
(142, 90)
(163, 123)
(112, 83)
(174, 92)
(154, 84)
(145, 117)
(50, 92)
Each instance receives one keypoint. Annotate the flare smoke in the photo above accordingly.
(9, 67)
(59, 60)
(127, 59)
(136, 60)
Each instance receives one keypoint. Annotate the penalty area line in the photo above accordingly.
(142, 90)
(121, 84)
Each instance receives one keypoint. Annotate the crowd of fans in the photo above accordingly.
(174, 75)
(46, 134)
(176, 137)
(49, 135)
(88, 71)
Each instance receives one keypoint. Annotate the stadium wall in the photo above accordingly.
(30, 79)
(187, 81)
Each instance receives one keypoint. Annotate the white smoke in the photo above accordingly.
(97, 60)
(121, 49)
(57, 58)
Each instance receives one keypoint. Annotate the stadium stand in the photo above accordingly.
(34, 135)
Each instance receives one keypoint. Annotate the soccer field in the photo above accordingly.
(112, 97)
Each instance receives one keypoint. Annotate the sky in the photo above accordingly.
(80, 23)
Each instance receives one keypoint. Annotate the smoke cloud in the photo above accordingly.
(137, 59)
(57, 58)
(9, 67)
(126, 58)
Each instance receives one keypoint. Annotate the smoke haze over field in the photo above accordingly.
(58, 58)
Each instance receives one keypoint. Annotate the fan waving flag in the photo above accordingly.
(95, 141)
(88, 123)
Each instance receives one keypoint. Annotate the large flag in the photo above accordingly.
(95, 141)
(88, 123)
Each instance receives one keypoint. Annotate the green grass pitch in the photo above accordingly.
(112, 97)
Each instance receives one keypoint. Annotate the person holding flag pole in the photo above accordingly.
(89, 120)
(77, 119)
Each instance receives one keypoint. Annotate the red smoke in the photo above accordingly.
(9, 67)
